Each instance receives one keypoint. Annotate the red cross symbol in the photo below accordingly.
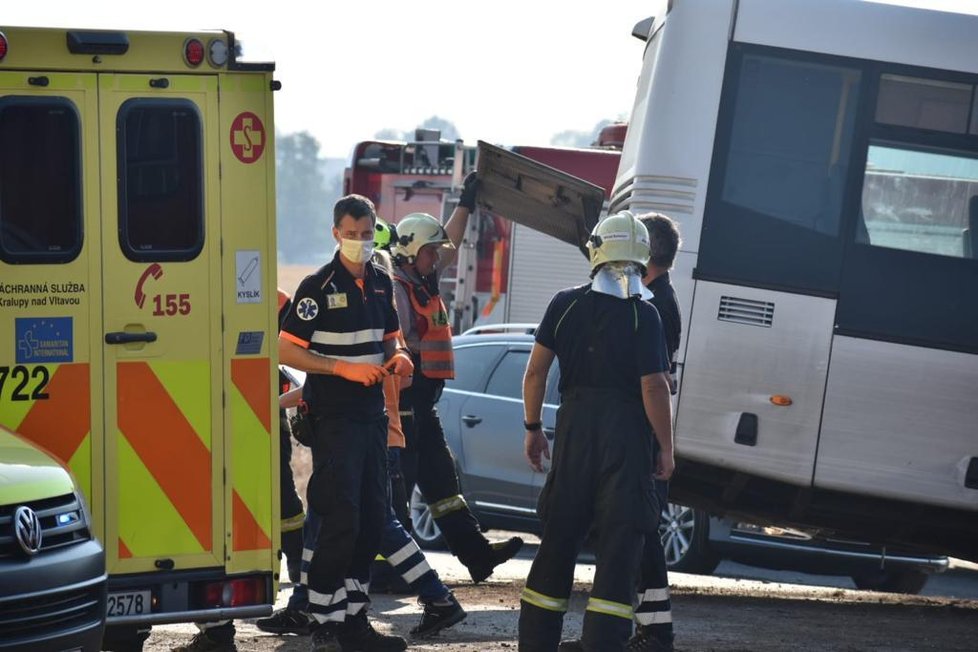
(247, 137)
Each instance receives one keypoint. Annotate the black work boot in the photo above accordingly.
(358, 635)
(438, 616)
(325, 638)
(213, 639)
(646, 639)
(499, 552)
(286, 621)
(571, 646)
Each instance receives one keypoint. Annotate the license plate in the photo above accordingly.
(130, 603)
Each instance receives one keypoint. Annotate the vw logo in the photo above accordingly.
(27, 530)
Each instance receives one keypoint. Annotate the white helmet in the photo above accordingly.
(416, 230)
(619, 238)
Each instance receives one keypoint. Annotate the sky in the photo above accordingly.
(513, 72)
(505, 71)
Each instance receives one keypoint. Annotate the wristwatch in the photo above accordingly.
(536, 425)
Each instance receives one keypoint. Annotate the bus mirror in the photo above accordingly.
(643, 28)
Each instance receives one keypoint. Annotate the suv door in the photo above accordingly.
(499, 477)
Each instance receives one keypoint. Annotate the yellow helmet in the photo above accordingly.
(619, 238)
(416, 230)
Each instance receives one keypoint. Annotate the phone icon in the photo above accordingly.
(153, 270)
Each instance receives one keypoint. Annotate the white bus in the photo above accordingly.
(822, 159)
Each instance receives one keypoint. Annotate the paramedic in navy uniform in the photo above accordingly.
(343, 332)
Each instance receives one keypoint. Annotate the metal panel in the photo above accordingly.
(540, 267)
(900, 422)
(734, 368)
(912, 35)
(539, 196)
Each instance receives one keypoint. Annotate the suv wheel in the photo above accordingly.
(426, 531)
(684, 534)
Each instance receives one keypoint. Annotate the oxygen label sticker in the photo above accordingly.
(247, 275)
(44, 340)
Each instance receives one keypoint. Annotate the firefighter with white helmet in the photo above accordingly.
(609, 343)
(422, 249)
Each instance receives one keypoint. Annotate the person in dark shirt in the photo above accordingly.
(608, 342)
(653, 615)
(343, 332)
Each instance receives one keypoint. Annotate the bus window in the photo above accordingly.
(920, 201)
(774, 208)
(161, 202)
(40, 180)
(924, 103)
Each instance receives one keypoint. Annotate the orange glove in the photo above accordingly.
(360, 372)
(400, 364)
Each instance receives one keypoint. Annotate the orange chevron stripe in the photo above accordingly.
(124, 552)
(61, 422)
(251, 376)
(246, 533)
(167, 444)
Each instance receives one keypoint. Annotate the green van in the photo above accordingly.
(52, 570)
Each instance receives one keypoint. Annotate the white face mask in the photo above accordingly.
(357, 251)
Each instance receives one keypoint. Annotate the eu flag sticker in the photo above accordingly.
(44, 339)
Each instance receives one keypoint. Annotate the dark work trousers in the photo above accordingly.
(600, 480)
(291, 506)
(401, 554)
(427, 461)
(654, 610)
(348, 489)
(399, 497)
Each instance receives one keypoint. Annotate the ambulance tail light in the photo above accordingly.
(193, 52)
(239, 592)
(3, 46)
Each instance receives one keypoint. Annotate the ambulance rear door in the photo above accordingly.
(50, 299)
(164, 454)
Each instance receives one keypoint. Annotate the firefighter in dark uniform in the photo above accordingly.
(427, 459)
(653, 615)
(343, 332)
(608, 342)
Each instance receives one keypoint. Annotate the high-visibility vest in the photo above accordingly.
(434, 332)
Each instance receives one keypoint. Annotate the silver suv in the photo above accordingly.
(482, 413)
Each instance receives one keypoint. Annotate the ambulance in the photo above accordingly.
(138, 304)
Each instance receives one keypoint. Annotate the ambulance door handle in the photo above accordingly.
(122, 337)
(471, 420)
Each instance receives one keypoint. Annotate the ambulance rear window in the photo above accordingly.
(40, 180)
(161, 202)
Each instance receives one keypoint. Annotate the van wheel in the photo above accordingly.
(426, 531)
(684, 533)
(124, 639)
(908, 581)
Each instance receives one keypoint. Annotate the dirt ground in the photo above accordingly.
(732, 615)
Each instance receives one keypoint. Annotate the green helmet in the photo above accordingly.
(619, 238)
(384, 235)
(414, 231)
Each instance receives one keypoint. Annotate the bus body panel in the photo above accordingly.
(874, 31)
(900, 422)
(747, 345)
